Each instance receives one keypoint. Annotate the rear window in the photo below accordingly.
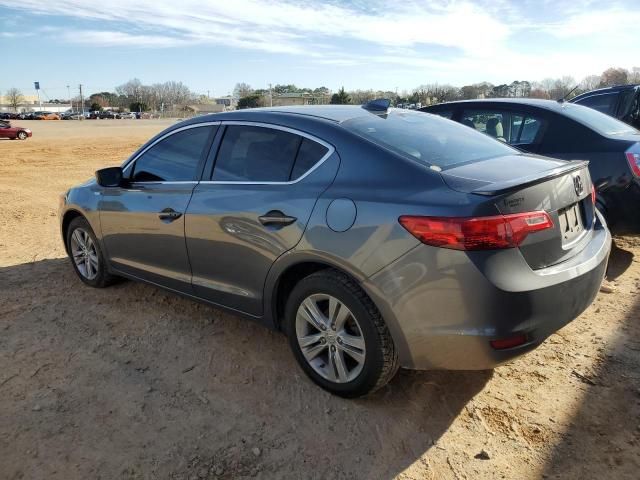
(601, 123)
(429, 139)
(603, 102)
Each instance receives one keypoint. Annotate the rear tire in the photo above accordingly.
(348, 349)
(86, 255)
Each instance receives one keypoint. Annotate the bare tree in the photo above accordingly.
(242, 90)
(614, 76)
(15, 98)
(590, 82)
(634, 76)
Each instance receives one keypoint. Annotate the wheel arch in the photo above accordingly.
(67, 218)
(284, 275)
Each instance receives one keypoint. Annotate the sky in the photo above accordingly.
(211, 45)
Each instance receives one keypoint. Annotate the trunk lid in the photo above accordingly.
(527, 183)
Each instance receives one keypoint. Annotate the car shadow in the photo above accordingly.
(602, 440)
(619, 261)
(135, 380)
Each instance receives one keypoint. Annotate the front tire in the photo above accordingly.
(338, 336)
(86, 255)
(22, 135)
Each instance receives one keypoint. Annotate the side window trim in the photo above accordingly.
(131, 161)
(330, 150)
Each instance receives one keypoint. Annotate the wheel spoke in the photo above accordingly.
(341, 368)
(78, 238)
(309, 340)
(313, 314)
(353, 346)
(312, 352)
(341, 317)
(93, 260)
(90, 270)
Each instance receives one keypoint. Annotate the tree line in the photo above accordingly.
(548, 88)
(135, 96)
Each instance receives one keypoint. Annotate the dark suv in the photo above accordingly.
(622, 102)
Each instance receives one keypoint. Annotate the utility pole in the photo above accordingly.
(270, 96)
(69, 94)
(81, 100)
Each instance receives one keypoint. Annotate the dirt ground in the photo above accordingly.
(133, 382)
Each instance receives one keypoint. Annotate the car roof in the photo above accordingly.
(332, 113)
(616, 88)
(552, 105)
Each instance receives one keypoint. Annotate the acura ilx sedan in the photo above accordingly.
(374, 238)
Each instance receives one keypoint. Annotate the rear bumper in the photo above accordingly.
(443, 306)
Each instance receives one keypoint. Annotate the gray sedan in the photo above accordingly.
(374, 238)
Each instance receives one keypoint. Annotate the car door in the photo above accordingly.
(264, 184)
(5, 131)
(518, 128)
(142, 222)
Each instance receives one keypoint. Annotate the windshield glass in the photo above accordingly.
(598, 121)
(430, 139)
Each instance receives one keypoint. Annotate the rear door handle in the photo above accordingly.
(276, 217)
(169, 215)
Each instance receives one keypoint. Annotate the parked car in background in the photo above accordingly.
(12, 132)
(46, 116)
(569, 132)
(374, 238)
(129, 115)
(622, 102)
(72, 115)
(108, 114)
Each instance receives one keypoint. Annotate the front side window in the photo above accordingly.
(173, 159)
(510, 127)
(260, 154)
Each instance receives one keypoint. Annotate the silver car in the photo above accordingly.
(374, 238)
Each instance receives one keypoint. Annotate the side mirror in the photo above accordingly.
(109, 177)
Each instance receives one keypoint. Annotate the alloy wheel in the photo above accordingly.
(84, 253)
(330, 338)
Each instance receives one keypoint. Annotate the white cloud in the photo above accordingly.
(481, 36)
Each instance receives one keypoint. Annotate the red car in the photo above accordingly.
(8, 131)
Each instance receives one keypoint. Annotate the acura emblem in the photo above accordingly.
(577, 185)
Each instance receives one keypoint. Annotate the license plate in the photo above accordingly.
(571, 224)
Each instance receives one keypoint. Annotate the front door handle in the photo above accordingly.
(169, 215)
(276, 217)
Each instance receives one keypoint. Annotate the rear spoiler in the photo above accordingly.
(527, 181)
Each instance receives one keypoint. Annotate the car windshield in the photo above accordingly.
(598, 121)
(430, 139)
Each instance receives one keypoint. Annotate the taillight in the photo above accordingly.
(593, 194)
(476, 233)
(634, 162)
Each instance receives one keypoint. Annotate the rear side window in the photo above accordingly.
(310, 153)
(506, 126)
(261, 154)
(604, 102)
(173, 159)
(429, 139)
